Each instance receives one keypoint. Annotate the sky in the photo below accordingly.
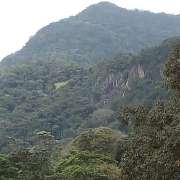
(20, 19)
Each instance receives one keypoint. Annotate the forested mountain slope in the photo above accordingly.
(97, 76)
(149, 150)
(68, 99)
(98, 32)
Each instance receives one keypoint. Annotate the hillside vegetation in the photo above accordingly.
(67, 99)
(94, 97)
(100, 31)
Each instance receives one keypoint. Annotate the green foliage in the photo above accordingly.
(47, 87)
(172, 69)
(152, 150)
(30, 100)
(90, 166)
(25, 165)
(34, 163)
(92, 156)
(101, 117)
(43, 88)
(99, 140)
(7, 170)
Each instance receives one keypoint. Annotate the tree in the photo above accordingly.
(7, 170)
(35, 163)
(172, 69)
(92, 156)
(101, 117)
(86, 165)
(152, 150)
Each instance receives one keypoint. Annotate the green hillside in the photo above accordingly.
(94, 97)
(100, 31)
(68, 99)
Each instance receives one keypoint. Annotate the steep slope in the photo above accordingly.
(133, 79)
(98, 32)
(68, 99)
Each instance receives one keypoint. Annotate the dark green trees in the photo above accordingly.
(172, 69)
(7, 169)
(29, 164)
(153, 149)
(92, 156)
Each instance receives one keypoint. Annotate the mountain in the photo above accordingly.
(49, 84)
(85, 77)
(100, 31)
(66, 100)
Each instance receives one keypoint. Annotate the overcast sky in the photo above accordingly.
(20, 19)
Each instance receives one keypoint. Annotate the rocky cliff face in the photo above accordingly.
(119, 83)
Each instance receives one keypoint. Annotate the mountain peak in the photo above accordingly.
(98, 32)
(105, 3)
(103, 9)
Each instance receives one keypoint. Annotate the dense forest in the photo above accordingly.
(65, 100)
(94, 96)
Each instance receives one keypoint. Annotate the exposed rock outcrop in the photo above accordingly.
(119, 83)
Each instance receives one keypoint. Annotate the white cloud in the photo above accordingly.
(19, 19)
